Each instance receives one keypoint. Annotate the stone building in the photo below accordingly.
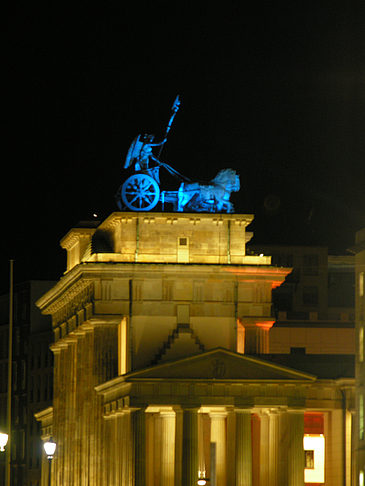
(359, 251)
(32, 379)
(162, 367)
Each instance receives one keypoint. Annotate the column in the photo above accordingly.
(167, 448)
(231, 446)
(218, 435)
(256, 335)
(273, 447)
(264, 448)
(283, 423)
(295, 448)
(178, 446)
(127, 471)
(333, 432)
(190, 447)
(139, 426)
(243, 448)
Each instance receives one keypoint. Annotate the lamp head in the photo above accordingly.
(3, 441)
(49, 448)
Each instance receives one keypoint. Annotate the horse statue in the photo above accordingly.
(211, 197)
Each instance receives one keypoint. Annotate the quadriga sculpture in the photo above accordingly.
(141, 191)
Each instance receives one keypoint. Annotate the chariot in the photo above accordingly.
(141, 191)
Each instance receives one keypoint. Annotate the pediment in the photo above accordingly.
(221, 364)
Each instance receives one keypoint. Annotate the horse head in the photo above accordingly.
(229, 179)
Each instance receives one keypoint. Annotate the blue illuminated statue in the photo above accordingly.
(141, 191)
(211, 197)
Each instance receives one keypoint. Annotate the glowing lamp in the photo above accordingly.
(49, 448)
(202, 482)
(3, 441)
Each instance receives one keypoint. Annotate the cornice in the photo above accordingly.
(46, 414)
(73, 279)
(171, 218)
(74, 235)
(82, 275)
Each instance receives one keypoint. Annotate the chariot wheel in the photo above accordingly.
(140, 192)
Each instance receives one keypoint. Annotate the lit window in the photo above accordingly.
(314, 458)
(361, 284)
(122, 346)
(361, 344)
(361, 478)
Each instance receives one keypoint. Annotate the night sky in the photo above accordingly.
(275, 91)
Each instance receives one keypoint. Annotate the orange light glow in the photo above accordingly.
(276, 283)
(259, 270)
(265, 324)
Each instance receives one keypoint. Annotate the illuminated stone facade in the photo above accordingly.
(359, 250)
(161, 328)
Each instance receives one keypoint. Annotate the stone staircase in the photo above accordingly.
(180, 343)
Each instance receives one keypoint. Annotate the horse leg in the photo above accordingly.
(180, 197)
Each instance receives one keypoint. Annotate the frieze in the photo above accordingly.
(73, 305)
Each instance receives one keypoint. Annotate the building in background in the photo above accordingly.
(359, 251)
(163, 368)
(315, 307)
(32, 379)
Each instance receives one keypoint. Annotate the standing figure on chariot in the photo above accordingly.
(140, 154)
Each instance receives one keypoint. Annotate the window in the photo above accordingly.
(361, 284)
(310, 295)
(15, 375)
(31, 390)
(22, 444)
(23, 375)
(310, 264)
(38, 389)
(122, 347)
(282, 260)
(361, 344)
(183, 249)
(361, 416)
(309, 459)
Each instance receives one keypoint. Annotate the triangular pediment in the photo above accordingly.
(221, 364)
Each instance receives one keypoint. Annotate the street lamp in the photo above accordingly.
(3, 441)
(49, 448)
(202, 480)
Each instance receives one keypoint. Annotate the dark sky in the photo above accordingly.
(275, 91)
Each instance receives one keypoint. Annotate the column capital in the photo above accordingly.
(243, 410)
(296, 410)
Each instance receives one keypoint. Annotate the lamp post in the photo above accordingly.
(49, 448)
